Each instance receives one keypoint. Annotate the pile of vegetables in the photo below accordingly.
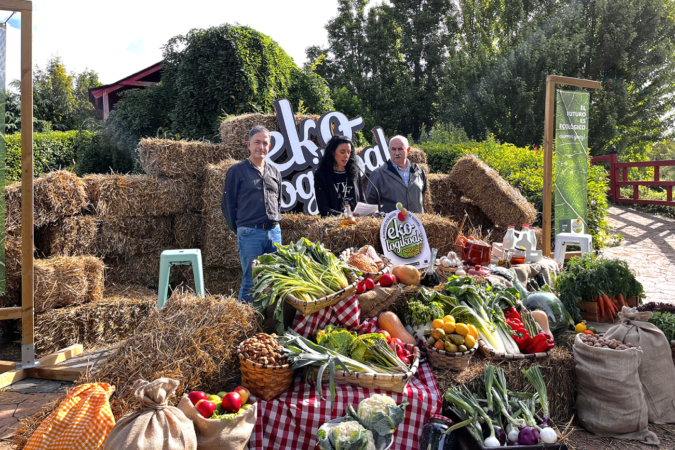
(498, 417)
(371, 426)
(306, 270)
(587, 278)
(666, 323)
(373, 353)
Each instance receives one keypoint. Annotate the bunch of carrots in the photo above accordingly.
(612, 306)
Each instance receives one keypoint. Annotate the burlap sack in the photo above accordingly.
(378, 299)
(610, 401)
(657, 372)
(157, 425)
(216, 434)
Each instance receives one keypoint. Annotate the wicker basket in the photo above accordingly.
(262, 380)
(489, 353)
(445, 273)
(375, 276)
(307, 308)
(441, 359)
(395, 383)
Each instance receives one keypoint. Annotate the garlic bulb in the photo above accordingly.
(445, 262)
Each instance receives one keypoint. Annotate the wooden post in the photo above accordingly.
(549, 135)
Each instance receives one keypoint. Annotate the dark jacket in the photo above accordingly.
(250, 199)
(393, 190)
(326, 196)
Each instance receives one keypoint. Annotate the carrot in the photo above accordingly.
(623, 302)
(602, 307)
(610, 306)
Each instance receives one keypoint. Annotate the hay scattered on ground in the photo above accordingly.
(188, 230)
(55, 195)
(179, 159)
(67, 280)
(70, 236)
(219, 245)
(500, 201)
(557, 370)
(105, 322)
(141, 195)
(445, 194)
(234, 131)
(192, 339)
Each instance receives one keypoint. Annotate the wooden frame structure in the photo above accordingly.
(549, 135)
(11, 372)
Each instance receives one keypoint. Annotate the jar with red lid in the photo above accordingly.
(434, 437)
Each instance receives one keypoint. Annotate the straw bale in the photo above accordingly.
(417, 155)
(70, 236)
(55, 195)
(445, 194)
(142, 269)
(67, 280)
(427, 199)
(234, 131)
(476, 220)
(188, 230)
(134, 235)
(500, 201)
(107, 321)
(220, 243)
(557, 370)
(12, 268)
(441, 232)
(179, 159)
(141, 195)
(192, 339)
(296, 226)
(220, 281)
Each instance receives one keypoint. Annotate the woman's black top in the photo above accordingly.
(334, 189)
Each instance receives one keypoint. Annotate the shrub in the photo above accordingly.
(100, 153)
(524, 169)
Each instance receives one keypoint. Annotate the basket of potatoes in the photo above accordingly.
(265, 371)
(450, 345)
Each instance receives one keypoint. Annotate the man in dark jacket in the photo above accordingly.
(398, 180)
(251, 205)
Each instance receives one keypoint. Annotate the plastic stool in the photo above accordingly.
(585, 241)
(170, 258)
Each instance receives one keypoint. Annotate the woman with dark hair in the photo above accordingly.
(337, 180)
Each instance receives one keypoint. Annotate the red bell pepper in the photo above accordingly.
(515, 323)
(540, 343)
(522, 339)
(512, 313)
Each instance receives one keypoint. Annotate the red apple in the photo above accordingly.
(205, 408)
(369, 283)
(196, 396)
(386, 334)
(386, 280)
(232, 402)
(394, 279)
(243, 393)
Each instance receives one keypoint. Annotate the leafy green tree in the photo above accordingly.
(54, 94)
(84, 109)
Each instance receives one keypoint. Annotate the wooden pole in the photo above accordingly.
(27, 282)
(548, 164)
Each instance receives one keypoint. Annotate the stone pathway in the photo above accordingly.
(649, 248)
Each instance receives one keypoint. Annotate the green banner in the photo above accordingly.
(571, 160)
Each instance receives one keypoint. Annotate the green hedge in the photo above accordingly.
(524, 169)
(52, 150)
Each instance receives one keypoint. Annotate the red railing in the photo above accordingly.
(618, 176)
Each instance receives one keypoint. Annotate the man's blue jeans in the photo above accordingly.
(253, 242)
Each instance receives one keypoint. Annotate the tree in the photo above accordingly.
(84, 109)
(54, 94)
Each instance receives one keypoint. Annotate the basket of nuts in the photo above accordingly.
(265, 371)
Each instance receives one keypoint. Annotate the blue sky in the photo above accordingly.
(119, 38)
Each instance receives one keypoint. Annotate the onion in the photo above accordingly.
(513, 435)
(492, 442)
(528, 436)
(549, 436)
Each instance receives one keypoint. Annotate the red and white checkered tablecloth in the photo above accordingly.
(292, 420)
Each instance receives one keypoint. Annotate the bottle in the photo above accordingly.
(510, 238)
(532, 237)
(348, 219)
(434, 437)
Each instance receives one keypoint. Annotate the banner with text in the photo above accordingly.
(571, 160)
(404, 240)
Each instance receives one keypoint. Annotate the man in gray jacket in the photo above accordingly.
(398, 180)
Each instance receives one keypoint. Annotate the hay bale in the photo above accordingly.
(220, 281)
(55, 195)
(104, 322)
(417, 156)
(500, 201)
(220, 243)
(179, 159)
(12, 269)
(476, 221)
(134, 235)
(70, 236)
(192, 339)
(142, 269)
(441, 232)
(234, 131)
(557, 370)
(445, 194)
(141, 195)
(296, 226)
(67, 280)
(427, 199)
(188, 230)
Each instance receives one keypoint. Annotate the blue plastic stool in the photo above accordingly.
(170, 258)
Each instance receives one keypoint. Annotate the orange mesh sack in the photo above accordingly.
(82, 421)
(157, 426)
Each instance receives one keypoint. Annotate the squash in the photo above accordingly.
(390, 322)
(407, 274)
(542, 319)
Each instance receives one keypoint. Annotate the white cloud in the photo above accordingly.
(96, 34)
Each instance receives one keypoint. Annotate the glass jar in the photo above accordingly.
(434, 437)
(518, 256)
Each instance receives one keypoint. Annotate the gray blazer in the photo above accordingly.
(392, 189)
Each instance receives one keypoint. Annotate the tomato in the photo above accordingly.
(589, 332)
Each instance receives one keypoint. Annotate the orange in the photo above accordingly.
(473, 331)
(438, 323)
(449, 327)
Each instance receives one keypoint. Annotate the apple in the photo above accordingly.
(232, 402)
(196, 396)
(243, 393)
(386, 334)
(221, 394)
(369, 283)
(246, 407)
(205, 408)
(214, 398)
(386, 280)
(219, 407)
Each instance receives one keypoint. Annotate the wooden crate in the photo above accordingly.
(593, 313)
(632, 301)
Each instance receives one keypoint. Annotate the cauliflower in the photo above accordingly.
(375, 403)
(345, 435)
(371, 441)
(345, 429)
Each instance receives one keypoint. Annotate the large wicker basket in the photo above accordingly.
(375, 276)
(263, 380)
(441, 359)
(307, 308)
(395, 383)
(489, 353)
